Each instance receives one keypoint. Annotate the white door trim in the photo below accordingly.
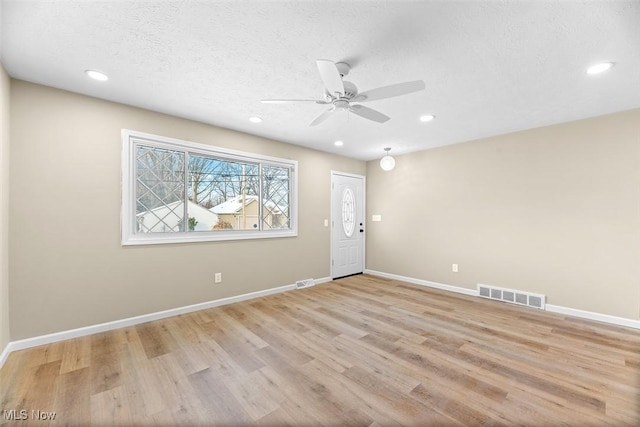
(364, 217)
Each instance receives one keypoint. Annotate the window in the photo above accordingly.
(177, 191)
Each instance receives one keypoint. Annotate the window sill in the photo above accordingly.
(203, 236)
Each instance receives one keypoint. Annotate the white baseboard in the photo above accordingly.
(456, 289)
(606, 318)
(322, 280)
(619, 321)
(5, 354)
(103, 327)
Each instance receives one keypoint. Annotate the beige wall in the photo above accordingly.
(4, 207)
(554, 210)
(68, 268)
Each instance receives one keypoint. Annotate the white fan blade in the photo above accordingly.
(390, 91)
(288, 101)
(368, 113)
(330, 76)
(322, 117)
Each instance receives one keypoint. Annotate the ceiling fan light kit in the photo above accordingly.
(387, 163)
(341, 94)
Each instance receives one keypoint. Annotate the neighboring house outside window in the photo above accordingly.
(179, 191)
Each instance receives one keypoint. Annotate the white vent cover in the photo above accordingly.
(305, 283)
(512, 296)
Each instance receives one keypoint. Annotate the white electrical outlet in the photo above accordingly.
(376, 218)
(454, 268)
(218, 278)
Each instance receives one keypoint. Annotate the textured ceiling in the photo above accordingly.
(490, 67)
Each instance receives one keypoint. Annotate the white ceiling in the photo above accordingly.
(490, 67)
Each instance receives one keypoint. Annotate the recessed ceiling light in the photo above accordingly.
(427, 118)
(600, 68)
(255, 119)
(338, 143)
(97, 75)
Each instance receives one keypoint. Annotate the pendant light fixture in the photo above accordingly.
(387, 163)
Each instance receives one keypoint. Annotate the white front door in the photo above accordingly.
(347, 224)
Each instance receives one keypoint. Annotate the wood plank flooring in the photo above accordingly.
(357, 351)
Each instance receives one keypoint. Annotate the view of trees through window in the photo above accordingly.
(180, 191)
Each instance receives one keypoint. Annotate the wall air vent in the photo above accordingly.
(300, 284)
(512, 296)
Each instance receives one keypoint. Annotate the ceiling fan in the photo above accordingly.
(341, 94)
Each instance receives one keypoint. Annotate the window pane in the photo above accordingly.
(202, 192)
(159, 190)
(276, 197)
(228, 189)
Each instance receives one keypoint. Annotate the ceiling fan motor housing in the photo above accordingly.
(341, 104)
(350, 90)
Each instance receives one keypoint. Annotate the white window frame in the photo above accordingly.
(128, 210)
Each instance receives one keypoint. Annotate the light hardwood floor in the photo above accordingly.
(357, 351)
